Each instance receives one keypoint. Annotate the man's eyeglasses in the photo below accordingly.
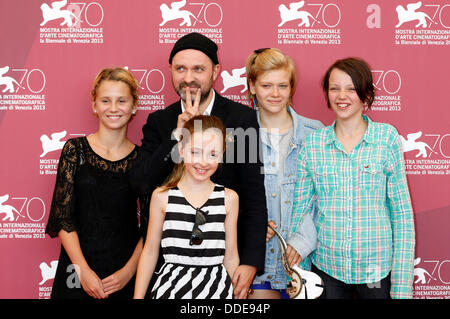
(197, 234)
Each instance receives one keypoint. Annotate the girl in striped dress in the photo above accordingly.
(194, 221)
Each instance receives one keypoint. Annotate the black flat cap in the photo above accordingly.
(196, 41)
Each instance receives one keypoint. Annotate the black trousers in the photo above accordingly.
(336, 289)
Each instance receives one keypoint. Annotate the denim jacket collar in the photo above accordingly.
(297, 124)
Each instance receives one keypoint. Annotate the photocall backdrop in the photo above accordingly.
(52, 50)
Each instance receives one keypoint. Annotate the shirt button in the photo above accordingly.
(269, 277)
(274, 195)
(272, 250)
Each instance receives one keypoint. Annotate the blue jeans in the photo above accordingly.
(267, 286)
(336, 289)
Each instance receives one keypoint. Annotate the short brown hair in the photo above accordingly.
(359, 71)
(116, 74)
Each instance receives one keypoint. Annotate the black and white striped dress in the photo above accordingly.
(197, 271)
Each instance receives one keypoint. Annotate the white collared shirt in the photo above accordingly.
(207, 110)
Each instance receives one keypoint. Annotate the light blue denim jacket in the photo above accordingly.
(305, 238)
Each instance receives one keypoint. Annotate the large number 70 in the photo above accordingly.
(78, 8)
(438, 13)
(381, 78)
(205, 14)
(26, 203)
(26, 77)
(145, 78)
(323, 9)
(438, 266)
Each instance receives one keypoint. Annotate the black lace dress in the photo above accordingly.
(93, 197)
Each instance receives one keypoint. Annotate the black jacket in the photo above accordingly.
(246, 177)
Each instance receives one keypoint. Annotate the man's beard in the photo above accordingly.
(204, 92)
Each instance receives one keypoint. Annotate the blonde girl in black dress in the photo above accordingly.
(94, 210)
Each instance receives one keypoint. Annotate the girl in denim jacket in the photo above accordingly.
(271, 79)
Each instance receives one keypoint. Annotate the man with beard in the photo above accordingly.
(194, 67)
